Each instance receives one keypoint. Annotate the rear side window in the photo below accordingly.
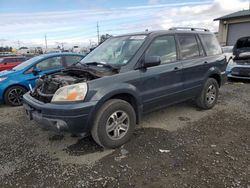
(211, 44)
(188, 46)
(164, 47)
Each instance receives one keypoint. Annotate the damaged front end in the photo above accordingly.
(48, 85)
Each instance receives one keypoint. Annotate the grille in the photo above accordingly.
(241, 71)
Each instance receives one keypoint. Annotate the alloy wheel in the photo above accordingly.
(15, 96)
(117, 125)
(211, 94)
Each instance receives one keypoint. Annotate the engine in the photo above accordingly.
(47, 85)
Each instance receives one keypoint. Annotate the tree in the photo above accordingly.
(104, 37)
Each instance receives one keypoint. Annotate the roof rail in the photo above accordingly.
(189, 28)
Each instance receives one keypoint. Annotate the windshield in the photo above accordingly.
(116, 51)
(27, 63)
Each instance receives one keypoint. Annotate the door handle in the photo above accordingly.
(205, 62)
(176, 68)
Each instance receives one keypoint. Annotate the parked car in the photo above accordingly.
(125, 77)
(228, 52)
(239, 66)
(7, 63)
(17, 81)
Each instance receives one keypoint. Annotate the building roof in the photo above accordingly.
(242, 13)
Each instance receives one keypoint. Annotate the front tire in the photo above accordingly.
(209, 94)
(114, 124)
(14, 95)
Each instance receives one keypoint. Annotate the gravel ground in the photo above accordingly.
(180, 146)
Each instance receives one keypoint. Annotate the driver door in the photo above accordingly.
(161, 85)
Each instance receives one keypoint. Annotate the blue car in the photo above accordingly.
(17, 81)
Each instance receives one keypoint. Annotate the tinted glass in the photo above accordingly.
(211, 44)
(202, 53)
(188, 46)
(164, 47)
(20, 59)
(69, 60)
(50, 63)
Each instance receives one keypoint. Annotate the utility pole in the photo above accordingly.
(46, 46)
(98, 33)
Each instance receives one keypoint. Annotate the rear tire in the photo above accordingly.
(114, 124)
(14, 95)
(209, 94)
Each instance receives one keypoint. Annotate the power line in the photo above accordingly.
(46, 45)
(98, 33)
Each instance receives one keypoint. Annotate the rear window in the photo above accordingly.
(188, 46)
(69, 60)
(211, 44)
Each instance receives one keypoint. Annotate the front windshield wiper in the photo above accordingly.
(79, 62)
(113, 67)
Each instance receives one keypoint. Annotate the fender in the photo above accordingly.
(105, 93)
(213, 71)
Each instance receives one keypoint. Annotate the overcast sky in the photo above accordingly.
(74, 21)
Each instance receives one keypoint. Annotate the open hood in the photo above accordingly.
(47, 85)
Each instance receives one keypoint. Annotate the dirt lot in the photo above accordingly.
(180, 146)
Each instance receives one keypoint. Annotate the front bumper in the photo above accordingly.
(239, 72)
(238, 77)
(73, 117)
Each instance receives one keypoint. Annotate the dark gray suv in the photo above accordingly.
(125, 77)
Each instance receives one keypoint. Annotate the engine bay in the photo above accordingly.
(47, 85)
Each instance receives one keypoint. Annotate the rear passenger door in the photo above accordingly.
(194, 63)
(161, 85)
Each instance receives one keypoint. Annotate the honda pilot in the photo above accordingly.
(127, 76)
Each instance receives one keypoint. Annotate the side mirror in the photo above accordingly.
(151, 61)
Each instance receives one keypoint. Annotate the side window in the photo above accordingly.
(188, 46)
(6, 61)
(69, 60)
(50, 63)
(164, 47)
(202, 53)
(211, 44)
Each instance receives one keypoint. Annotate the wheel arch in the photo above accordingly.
(217, 77)
(131, 100)
(126, 95)
(215, 73)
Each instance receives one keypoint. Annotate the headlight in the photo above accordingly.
(76, 92)
(2, 79)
